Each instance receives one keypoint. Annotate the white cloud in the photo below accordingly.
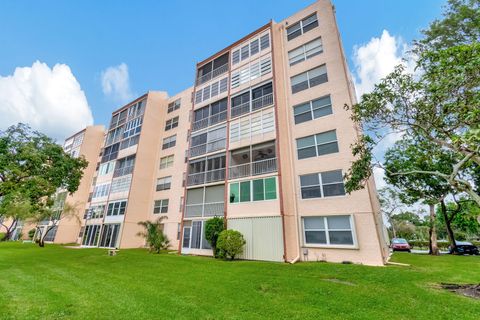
(376, 59)
(48, 99)
(116, 83)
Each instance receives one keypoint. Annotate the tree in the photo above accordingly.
(154, 236)
(213, 227)
(230, 243)
(32, 168)
(390, 204)
(440, 105)
(417, 157)
(458, 217)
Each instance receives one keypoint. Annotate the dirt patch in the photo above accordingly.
(468, 290)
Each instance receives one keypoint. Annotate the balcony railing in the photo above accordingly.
(253, 168)
(213, 74)
(206, 177)
(210, 209)
(207, 147)
(210, 121)
(253, 105)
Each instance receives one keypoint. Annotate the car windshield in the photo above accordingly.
(399, 241)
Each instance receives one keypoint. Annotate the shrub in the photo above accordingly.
(31, 233)
(213, 227)
(154, 236)
(230, 243)
(3, 236)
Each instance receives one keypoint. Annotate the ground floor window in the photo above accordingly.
(109, 235)
(331, 230)
(253, 190)
(194, 236)
(91, 235)
(50, 236)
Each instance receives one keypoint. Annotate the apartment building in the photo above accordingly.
(261, 139)
(86, 143)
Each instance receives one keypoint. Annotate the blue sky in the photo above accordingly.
(159, 41)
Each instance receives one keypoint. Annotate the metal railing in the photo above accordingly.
(210, 121)
(253, 168)
(253, 105)
(213, 74)
(206, 177)
(210, 209)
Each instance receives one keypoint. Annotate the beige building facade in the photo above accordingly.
(261, 139)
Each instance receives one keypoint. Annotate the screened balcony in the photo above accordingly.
(252, 100)
(207, 170)
(253, 160)
(205, 202)
(210, 115)
(124, 166)
(212, 69)
(207, 142)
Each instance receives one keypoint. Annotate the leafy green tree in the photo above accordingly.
(154, 236)
(458, 216)
(230, 243)
(213, 227)
(417, 157)
(32, 168)
(440, 105)
(390, 204)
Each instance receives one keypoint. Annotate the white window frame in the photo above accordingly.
(162, 203)
(320, 185)
(302, 25)
(327, 235)
(175, 105)
(259, 40)
(303, 54)
(167, 142)
(163, 182)
(166, 162)
(312, 109)
(316, 145)
(171, 123)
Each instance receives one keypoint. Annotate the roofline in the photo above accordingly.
(262, 28)
(131, 102)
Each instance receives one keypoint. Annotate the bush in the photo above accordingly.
(3, 236)
(230, 244)
(154, 236)
(213, 227)
(31, 233)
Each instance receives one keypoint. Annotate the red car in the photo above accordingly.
(400, 244)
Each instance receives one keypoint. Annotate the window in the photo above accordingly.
(194, 236)
(110, 153)
(247, 127)
(312, 110)
(255, 99)
(129, 142)
(253, 47)
(164, 183)
(212, 114)
(166, 162)
(121, 184)
(50, 236)
(106, 168)
(160, 206)
(212, 69)
(253, 190)
(205, 201)
(96, 212)
(91, 235)
(252, 71)
(133, 127)
(101, 190)
(175, 105)
(171, 123)
(124, 166)
(305, 51)
(309, 79)
(213, 140)
(169, 142)
(299, 28)
(109, 235)
(211, 90)
(317, 145)
(116, 208)
(324, 184)
(331, 230)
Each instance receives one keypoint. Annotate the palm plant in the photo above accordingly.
(154, 236)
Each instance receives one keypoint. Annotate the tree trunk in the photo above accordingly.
(448, 224)
(433, 232)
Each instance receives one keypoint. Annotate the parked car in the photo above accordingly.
(400, 244)
(463, 248)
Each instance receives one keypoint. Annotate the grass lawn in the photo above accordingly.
(60, 283)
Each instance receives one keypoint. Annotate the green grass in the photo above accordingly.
(60, 283)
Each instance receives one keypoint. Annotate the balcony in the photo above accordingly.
(210, 121)
(206, 177)
(122, 171)
(212, 74)
(253, 168)
(210, 209)
(207, 147)
(255, 104)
